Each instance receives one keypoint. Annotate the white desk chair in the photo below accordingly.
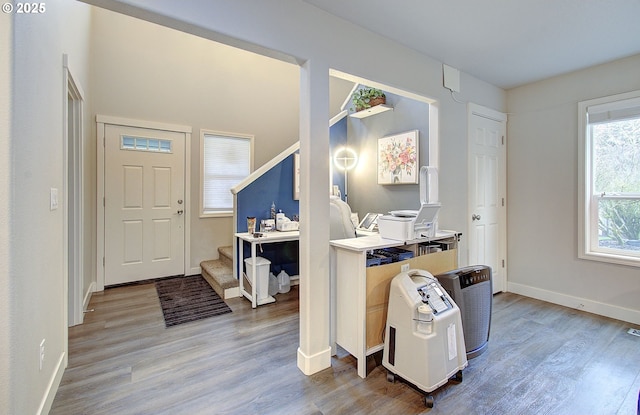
(341, 226)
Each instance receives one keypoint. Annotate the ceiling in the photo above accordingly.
(507, 43)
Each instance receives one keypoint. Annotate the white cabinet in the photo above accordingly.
(362, 293)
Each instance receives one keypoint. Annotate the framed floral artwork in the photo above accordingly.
(398, 158)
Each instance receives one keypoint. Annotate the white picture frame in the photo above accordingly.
(398, 158)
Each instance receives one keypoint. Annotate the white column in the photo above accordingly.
(314, 352)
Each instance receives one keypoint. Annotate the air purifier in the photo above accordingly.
(471, 289)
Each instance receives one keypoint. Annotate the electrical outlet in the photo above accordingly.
(41, 353)
(404, 267)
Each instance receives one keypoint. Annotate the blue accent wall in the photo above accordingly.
(275, 185)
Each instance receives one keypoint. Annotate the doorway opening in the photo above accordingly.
(73, 182)
(148, 236)
(409, 111)
(487, 179)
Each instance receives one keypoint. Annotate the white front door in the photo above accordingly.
(144, 204)
(487, 192)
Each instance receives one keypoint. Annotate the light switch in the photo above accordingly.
(53, 199)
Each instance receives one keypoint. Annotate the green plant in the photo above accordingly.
(361, 98)
(620, 220)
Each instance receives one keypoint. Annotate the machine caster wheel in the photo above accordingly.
(391, 377)
(458, 376)
(428, 401)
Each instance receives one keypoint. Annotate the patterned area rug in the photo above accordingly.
(185, 299)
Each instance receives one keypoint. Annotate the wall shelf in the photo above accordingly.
(378, 109)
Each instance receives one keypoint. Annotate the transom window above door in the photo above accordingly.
(145, 144)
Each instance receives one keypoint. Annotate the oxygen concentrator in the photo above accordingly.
(424, 341)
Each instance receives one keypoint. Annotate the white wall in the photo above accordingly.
(6, 346)
(144, 71)
(339, 90)
(36, 277)
(543, 194)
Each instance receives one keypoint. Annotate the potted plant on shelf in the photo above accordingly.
(366, 98)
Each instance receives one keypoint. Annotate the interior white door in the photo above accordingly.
(144, 204)
(487, 192)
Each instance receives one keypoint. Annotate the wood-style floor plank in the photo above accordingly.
(541, 359)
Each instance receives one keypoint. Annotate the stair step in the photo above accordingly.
(220, 276)
(225, 254)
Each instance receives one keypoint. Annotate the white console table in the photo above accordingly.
(266, 238)
(362, 293)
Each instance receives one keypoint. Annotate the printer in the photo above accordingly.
(406, 225)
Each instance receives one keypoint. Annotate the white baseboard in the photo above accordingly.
(315, 363)
(52, 387)
(87, 296)
(194, 271)
(595, 307)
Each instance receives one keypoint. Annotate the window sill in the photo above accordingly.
(611, 258)
(205, 215)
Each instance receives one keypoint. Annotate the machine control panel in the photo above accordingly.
(475, 276)
(433, 295)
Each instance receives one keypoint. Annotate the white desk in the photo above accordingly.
(363, 232)
(267, 238)
(359, 311)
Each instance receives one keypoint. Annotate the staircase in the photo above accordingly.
(219, 273)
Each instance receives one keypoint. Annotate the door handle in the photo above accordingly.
(475, 217)
(180, 212)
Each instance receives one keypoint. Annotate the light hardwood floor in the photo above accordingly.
(542, 359)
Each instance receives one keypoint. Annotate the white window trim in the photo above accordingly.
(204, 132)
(585, 201)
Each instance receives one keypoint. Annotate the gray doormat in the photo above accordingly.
(185, 299)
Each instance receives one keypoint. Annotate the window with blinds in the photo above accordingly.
(610, 205)
(226, 160)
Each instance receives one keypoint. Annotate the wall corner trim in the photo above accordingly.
(314, 363)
